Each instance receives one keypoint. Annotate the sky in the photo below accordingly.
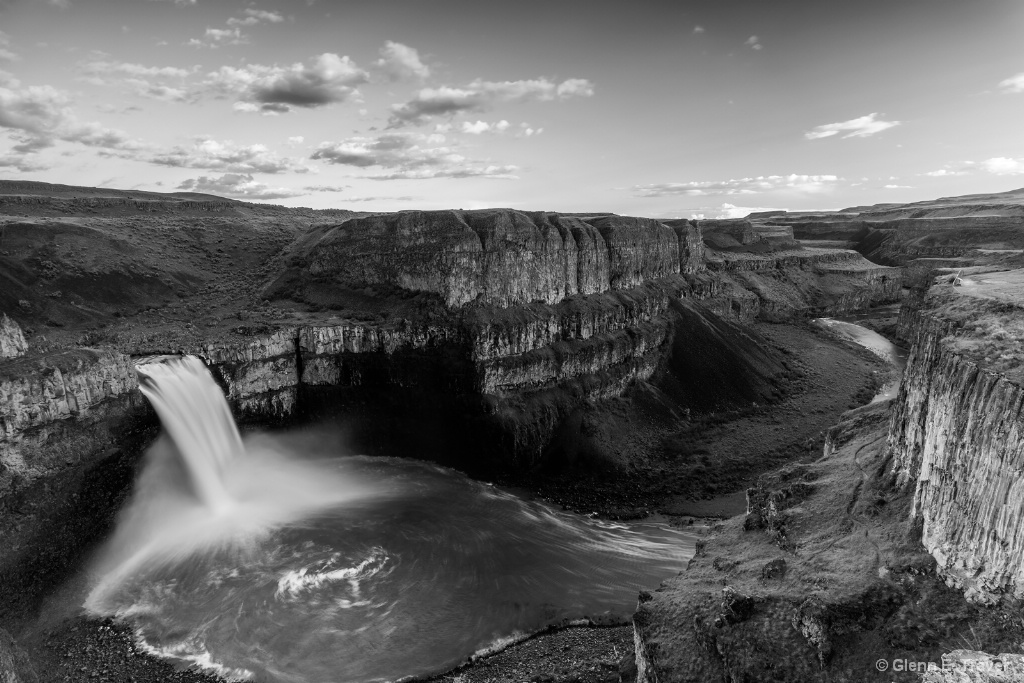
(682, 108)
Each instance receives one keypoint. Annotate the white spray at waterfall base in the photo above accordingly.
(201, 489)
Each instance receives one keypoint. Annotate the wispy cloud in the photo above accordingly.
(252, 16)
(861, 127)
(945, 173)
(404, 198)
(808, 184)
(213, 155)
(218, 37)
(698, 29)
(6, 54)
(237, 186)
(1013, 84)
(400, 61)
(754, 43)
(327, 79)
(155, 82)
(993, 165)
(481, 95)
(408, 156)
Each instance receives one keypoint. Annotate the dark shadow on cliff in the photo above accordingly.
(713, 369)
(716, 364)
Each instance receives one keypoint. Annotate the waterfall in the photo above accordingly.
(197, 418)
(202, 489)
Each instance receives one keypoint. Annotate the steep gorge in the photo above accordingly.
(471, 338)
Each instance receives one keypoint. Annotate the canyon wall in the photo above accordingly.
(798, 282)
(898, 236)
(498, 257)
(957, 439)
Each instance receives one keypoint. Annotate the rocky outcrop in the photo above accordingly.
(12, 340)
(53, 410)
(957, 439)
(498, 257)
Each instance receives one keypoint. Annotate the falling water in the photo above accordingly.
(197, 419)
(259, 561)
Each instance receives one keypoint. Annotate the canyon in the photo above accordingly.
(504, 342)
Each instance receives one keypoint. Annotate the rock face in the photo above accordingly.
(796, 282)
(498, 257)
(47, 410)
(12, 340)
(957, 438)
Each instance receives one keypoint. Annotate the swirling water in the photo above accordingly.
(354, 568)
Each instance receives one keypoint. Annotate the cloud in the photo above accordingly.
(6, 54)
(237, 186)
(898, 187)
(732, 211)
(995, 165)
(180, 3)
(21, 162)
(407, 156)
(146, 81)
(207, 153)
(326, 188)
(1013, 84)
(276, 89)
(39, 115)
(405, 198)
(807, 184)
(100, 67)
(698, 29)
(481, 95)
(480, 127)
(753, 42)
(945, 172)
(400, 61)
(1004, 166)
(255, 16)
(854, 128)
(216, 37)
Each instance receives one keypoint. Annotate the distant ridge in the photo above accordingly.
(34, 188)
